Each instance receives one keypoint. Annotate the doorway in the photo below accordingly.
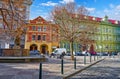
(33, 47)
(44, 48)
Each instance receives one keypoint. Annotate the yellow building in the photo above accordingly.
(41, 35)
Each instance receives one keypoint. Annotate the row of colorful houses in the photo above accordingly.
(42, 35)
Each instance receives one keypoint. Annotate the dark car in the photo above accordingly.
(114, 53)
(78, 54)
(68, 53)
(102, 54)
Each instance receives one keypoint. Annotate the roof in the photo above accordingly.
(98, 19)
(40, 20)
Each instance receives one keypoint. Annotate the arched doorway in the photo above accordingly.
(43, 48)
(33, 47)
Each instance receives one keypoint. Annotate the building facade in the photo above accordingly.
(107, 37)
(6, 41)
(41, 35)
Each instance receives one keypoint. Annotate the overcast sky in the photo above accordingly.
(97, 8)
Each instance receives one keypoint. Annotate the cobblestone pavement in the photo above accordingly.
(107, 69)
(50, 69)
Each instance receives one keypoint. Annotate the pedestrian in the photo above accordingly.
(62, 55)
(52, 55)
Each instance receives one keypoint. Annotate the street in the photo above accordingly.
(106, 69)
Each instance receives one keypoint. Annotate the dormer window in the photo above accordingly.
(116, 22)
(38, 22)
(94, 18)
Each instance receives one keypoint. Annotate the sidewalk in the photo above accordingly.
(50, 69)
(107, 69)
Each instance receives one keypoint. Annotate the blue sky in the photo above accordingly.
(97, 8)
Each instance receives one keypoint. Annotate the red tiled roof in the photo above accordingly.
(112, 21)
(91, 17)
(98, 19)
(39, 19)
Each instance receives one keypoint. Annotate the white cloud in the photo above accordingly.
(106, 11)
(49, 3)
(111, 6)
(35, 6)
(90, 9)
(118, 7)
(66, 1)
(113, 12)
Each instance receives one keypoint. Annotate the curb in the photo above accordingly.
(68, 75)
(22, 59)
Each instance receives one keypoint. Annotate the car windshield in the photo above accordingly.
(55, 51)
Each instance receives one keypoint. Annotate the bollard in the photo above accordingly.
(90, 58)
(97, 57)
(40, 71)
(84, 59)
(94, 57)
(113, 56)
(100, 55)
(74, 63)
(62, 71)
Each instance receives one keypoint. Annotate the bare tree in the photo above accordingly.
(74, 24)
(13, 17)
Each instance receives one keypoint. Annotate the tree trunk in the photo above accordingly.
(17, 41)
(71, 50)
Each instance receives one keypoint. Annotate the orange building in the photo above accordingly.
(41, 35)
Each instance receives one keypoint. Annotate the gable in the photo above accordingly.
(39, 20)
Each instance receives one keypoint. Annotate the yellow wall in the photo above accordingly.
(49, 45)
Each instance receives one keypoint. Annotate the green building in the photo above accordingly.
(107, 37)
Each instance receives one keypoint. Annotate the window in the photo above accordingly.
(44, 37)
(107, 30)
(33, 37)
(44, 29)
(39, 37)
(33, 28)
(39, 29)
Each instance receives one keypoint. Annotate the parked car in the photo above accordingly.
(58, 52)
(114, 53)
(34, 52)
(102, 54)
(78, 54)
(68, 54)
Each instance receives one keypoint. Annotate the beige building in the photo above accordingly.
(41, 35)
